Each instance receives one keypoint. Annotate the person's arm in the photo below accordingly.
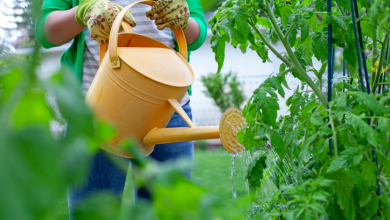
(196, 31)
(192, 31)
(61, 27)
(48, 7)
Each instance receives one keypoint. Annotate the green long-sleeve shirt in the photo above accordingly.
(73, 56)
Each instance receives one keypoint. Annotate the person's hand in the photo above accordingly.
(99, 16)
(169, 13)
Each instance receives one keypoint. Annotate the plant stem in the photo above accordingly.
(366, 156)
(387, 154)
(334, 138)
(378, 73)
(374, 48)
(383, 101)
(341, 10)
(383, 181)
(385, 83)
(289, 30)
(284, 60)
(298, 68)
(320, 12)
(385, 29)
(286, 71)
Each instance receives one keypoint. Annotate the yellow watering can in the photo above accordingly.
(139, 85)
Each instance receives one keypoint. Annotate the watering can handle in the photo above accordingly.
(113, 40)
(104, 47)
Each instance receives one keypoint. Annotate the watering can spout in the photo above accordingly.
(172, 135)
(231, 122)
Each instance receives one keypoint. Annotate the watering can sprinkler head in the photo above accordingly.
(231, 122)
(140, 96)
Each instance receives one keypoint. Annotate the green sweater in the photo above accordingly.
(73, 56)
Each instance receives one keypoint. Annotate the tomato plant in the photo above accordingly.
(336, 136)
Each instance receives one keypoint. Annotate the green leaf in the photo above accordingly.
(320, 40)
(292, 37)
(344, 4)
(277, 143)
(229, 28)
(341, 100)
(364, 129)
(259, 47)
(308, 214)
(383, 160)
(374, 12)
(276, 83)
(368, 29)
(296, 102)
(336, 20)
(320, 5)
(370, 101)
(369, 171)
(264, 22)
(304, 156)
(324, 183)
(350, 56)
(285, 12)
(343, 186)
(249, 140)
(382, 124)
(307, 110)
(254, 172)
(317, 207)
(32, 109)
(365, 3)
(371, 208)
(314, 24)
(316, 119)
(240, 20)
(291, 138)
(304, 29)
(243, 47)
(177, 200)
(307, 51)
(218, 46)
(344, 162)
(269, 107)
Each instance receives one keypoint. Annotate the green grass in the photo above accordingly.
(211, 171)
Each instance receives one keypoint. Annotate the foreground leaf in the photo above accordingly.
(256, 166)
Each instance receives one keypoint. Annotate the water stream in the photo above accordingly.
(232, 170)
(267, 189)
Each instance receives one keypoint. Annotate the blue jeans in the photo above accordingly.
(104, 175)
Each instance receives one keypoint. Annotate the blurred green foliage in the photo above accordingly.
(211, 5)
(225, 90)
(201, 144)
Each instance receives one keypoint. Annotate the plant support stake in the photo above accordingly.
(362, 46)
(330, 67)
(354, 5)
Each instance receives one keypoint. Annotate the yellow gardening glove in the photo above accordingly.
(99, 15)
(169, 13)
